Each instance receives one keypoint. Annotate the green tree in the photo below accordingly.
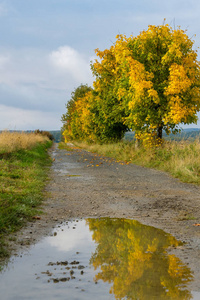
(109, 111)
(69, 118)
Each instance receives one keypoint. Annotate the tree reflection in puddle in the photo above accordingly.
(99, 258)
(133, 258)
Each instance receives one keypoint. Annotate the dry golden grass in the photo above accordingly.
(181, 159)
(14, 141)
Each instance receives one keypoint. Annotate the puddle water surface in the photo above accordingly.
(99, 259)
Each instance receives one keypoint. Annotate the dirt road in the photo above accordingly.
(83, 184)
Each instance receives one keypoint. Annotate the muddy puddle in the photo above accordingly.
(99, 259)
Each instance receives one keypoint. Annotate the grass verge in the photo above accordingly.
(180, 159)
(22, 179)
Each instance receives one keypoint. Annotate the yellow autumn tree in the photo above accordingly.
(149, 84)
(164, 82)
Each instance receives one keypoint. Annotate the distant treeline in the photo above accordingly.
(186, 134)
(57, 135)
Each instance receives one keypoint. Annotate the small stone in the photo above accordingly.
(64, 279)
(74, 262)
(64, 263)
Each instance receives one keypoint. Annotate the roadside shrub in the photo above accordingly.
(44, 133)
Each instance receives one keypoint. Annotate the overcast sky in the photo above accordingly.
(46, 47)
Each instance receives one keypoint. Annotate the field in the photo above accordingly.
(14, 141)
(24, 162)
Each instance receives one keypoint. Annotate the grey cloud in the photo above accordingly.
(22, 119)
(34, 79)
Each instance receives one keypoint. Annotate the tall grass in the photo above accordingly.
(180, 159)
(24, 162)
(14, 141)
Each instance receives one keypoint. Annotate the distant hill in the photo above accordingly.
(57, 135)
(186, 134)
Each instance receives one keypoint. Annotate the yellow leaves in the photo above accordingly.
(67, 134)
(101, 54)
(140, 82)
(121, 92)
(149, 137)
(174, 52)
(154, 95)
(178, 111)
(96, 84)
(121, 50)
(179, 82)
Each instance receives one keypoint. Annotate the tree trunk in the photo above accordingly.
(159, 132)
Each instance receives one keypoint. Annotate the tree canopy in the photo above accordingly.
(72, 124)
(148, 83)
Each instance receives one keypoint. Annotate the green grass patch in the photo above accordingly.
(186, 217)
(22, 179)
(180, 159)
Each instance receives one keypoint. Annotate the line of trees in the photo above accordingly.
(147, 84)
